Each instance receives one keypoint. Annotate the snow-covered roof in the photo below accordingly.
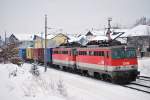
(24, 37)
(49, 36)
(119, 30)
(100, 38)
(103, 32)
(140, 30)
(100, 32)
(81, 37)
(114, 34)
(72, 39)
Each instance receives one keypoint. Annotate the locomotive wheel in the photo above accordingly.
(97, 75)
(85, 73)
(106, 77)
(61, 67)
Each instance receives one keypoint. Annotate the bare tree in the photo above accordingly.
(148, 32)
(142, 21)
(116, 26)
(148, 22)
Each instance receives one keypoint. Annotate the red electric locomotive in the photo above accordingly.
(113, 63)
(64, 57)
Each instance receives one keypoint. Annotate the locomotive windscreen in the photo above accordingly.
(123, 53)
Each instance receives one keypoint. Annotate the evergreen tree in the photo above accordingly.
(9, 53)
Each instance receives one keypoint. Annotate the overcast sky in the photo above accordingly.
(73, 16)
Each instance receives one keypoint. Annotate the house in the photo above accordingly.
(25, 40)
(38, 41)
(26, 43)
(12, 39)
(89, 35)
(139, 37)
(57, 40)
(52, 40)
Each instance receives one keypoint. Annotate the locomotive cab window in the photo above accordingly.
(121, 53)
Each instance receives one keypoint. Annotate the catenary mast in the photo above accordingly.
(45, 49)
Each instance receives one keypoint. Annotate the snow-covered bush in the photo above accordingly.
(61, 88)
(13, 73)
(34, 70)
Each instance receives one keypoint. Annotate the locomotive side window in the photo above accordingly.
(91, 53)
(102, 53)
(107, 54)
(59, 52)
(82, 52)
(78, 52)
(70, 53)
(96, 53)
(64, 52)
(55, 52)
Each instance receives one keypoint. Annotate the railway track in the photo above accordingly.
(145, 78)
(127, 86)
(141, 84)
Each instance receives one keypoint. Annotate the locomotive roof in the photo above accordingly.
(109, 47)
(96, 47)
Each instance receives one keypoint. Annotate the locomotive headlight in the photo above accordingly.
(117, 68)
(132, 66)
(135, 66)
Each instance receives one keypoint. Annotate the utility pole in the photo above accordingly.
(41, 39)
(45, 53)
(108, 29)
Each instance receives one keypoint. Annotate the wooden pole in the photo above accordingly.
(45, 53)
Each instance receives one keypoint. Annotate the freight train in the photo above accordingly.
(117, 64)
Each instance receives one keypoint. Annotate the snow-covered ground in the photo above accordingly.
(144, 66)
(58, 85)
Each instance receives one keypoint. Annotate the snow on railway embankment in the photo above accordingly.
(17, 83)
(144, 66)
